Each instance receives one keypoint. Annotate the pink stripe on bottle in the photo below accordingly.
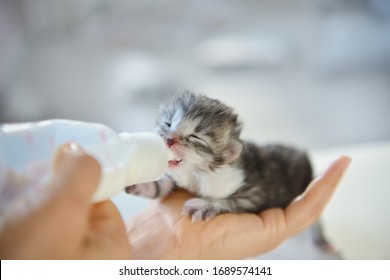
(52, 142)
(103, 136)
(29, 138)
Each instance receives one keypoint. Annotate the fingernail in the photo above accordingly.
(66, 154)
(345, 161)
(72, 147)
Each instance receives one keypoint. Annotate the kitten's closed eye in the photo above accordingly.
(167, 124)
(197, 138)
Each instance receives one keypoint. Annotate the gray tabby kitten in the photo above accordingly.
(225, 173)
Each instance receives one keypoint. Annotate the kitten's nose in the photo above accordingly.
(170, 142)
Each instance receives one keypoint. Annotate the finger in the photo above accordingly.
(306, 210)
(107, 232)
(75, 174)
(106, 218)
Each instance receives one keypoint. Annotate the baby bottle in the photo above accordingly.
(26, 152)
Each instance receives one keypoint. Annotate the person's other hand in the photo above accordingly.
(67, 226)
(161, 232)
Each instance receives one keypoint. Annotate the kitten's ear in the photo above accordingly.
(233, 151)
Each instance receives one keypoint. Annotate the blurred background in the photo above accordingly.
(310, 73)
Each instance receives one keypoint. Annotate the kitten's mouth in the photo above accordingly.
(174, 163)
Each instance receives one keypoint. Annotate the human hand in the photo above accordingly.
(67, 226)
(161, 232)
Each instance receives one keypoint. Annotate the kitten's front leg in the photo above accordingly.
(206, 208)
(156, 189)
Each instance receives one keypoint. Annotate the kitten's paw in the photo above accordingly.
(160, 188)
(146, 189)
(199, 209)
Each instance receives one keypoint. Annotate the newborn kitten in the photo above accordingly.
(225, 173)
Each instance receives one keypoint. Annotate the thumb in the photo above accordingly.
(306, 210)
(76, 174)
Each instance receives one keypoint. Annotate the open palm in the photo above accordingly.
(161, 232)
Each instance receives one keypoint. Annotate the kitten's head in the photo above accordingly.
(203, 132)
